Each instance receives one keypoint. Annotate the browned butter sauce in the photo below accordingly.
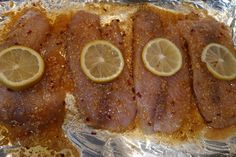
(51, 135)
(220, 134)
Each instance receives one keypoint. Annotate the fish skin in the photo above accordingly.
(34, 108)
(107, 105)
(163, 102)
(215, 98)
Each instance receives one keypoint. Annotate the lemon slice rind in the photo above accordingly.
(211, 69)
(153, 70)
(24, 83)
(87, 71)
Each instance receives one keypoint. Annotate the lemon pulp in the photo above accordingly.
(220, 61)
(20, 67)
(162, 57)
(101, 61)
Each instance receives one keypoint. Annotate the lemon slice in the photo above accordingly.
(220, 61)
(20, 67)
(162, 57)
(101, 61)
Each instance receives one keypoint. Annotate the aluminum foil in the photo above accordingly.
(94, 143)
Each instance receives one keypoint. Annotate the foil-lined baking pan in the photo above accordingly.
(93, 143)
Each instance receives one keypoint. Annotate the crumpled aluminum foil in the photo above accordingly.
(94, 143)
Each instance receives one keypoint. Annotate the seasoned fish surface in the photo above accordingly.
(108, 105)
(43, 103)
(29, 30)
(163, 102)
(216, 98)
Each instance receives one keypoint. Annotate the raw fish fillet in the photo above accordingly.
(216, 98)
(163, 102)
(109, 105)
(32, 109)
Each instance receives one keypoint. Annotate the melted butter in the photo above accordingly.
(50, 140)
(4, 136)
(219, 134)
(35, 151)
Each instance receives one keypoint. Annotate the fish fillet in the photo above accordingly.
(215, 98)
(108, 105)
(163, 102)
(43, 103)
